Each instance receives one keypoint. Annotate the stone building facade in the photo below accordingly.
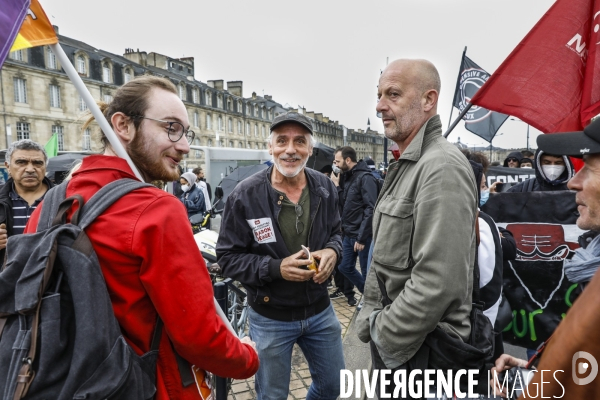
(38, 100)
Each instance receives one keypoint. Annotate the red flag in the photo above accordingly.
(551, 80)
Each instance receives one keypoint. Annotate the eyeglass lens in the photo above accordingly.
(176, 130)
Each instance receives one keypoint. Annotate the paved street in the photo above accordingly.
(300, 377)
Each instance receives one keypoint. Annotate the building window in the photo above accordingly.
(248, 128)
(81, 65)
(263, 131)
(51, 59)
(17, 55)
(207, 98)
(107, 98)
(220, 122)
(82, 105)
(231, 143)
(20, 91)
(55, 96)
(105, 72)
(255, 130)
(220, 101)
(256, 146)
(264, 146)
(229, 105)
(209, 143)
(181, 89)
(248, 109)
(22, 130)
(247, 145)
(195, 96)
(196, 119)
(239, 124)
(230, 126)
(87, 139)
(128, 75)
(208, 122)
(58, 130)
(239, 106)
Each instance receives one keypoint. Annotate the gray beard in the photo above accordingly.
(288, 175)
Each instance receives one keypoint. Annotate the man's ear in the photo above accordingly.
(123, 127)
(430, 99)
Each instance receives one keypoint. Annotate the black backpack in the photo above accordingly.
(59, 338)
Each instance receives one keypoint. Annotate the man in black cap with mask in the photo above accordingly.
(577, 334)
(266, 220)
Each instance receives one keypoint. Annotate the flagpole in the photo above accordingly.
(462, 114)
(115, 143)
(457, 83)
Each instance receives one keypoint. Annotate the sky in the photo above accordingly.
(325, 56)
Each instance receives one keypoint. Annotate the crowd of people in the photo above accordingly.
(426, 252)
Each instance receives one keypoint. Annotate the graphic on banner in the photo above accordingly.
(535, 285)
(262, 228)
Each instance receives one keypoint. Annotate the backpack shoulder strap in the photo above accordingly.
(105, 197)
(52, 201)
(476, 272)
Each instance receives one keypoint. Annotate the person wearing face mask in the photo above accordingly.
(192, 197)
(496, 246)
(552, 172)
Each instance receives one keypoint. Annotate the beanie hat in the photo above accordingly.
(190, 177)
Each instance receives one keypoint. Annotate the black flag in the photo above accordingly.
(535, 285)
(482, 122)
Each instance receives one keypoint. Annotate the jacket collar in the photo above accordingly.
(428, 132)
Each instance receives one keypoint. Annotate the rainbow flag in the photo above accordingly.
(23, 24)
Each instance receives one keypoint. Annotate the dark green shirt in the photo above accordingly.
(287, 221)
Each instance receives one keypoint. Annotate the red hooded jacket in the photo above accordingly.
(151, 265)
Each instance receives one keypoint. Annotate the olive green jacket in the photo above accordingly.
(424, 238)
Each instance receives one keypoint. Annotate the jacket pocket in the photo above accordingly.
(392, 245)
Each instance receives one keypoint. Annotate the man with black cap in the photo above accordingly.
(574, 345)
(266, 220)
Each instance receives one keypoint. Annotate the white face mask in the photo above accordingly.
(336, 169)
(185, 188)
(552, 172)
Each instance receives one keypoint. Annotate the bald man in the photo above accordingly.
(423, 225)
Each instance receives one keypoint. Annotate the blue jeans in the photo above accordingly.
(348, 264)
(319, 337)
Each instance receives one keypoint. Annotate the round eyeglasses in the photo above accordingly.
(175, 130)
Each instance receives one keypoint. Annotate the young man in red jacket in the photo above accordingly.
(137, 241)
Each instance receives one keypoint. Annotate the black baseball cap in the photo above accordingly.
(574, 144)
(292, 117)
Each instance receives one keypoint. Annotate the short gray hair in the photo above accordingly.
(24, 144)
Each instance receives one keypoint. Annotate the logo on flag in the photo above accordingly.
(482, 122)
(470, 81)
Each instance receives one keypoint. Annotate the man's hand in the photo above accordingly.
(3, 236)
(291, 272)
(358, 247)
(503, 363)
(327, 259)
(247, 340)
(335, 179)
